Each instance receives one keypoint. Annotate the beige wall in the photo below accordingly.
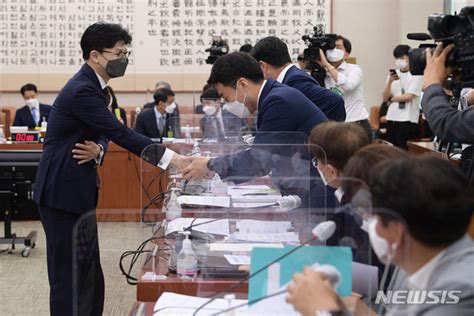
(375, 27)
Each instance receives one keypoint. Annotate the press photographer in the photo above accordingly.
(454, 56)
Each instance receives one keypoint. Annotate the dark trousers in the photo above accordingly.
(398, 133)
(75, 276)
(365, 124)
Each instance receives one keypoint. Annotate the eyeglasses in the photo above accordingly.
(119, 55)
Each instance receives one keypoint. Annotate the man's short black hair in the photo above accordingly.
(347, 44)
(431, 196)
(401, 50)
(230, 68)
(246, 48)
(271, 50)
(101, 35)
(162, 95)
(28, 87)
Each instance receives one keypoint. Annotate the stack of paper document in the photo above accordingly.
(177, 304)
(289, 237)
(251, 196)
(203, 225)
(254, 226)
(213, 201)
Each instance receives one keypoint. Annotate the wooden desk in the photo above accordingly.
(428, 148)
(120, 194)
(147, 309)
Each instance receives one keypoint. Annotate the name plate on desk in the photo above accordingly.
(26, 137)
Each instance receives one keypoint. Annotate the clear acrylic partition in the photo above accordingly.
(216, 128)
(269, 195)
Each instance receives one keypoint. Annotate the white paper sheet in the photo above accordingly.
(241, 247)
(250, 226)
(216, 201)
(288, 237)
(238, 260)
(177, 304)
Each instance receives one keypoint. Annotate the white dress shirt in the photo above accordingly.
(167, 155)
(407, 84)
(419, 279)
(282, 74)
(349, 83)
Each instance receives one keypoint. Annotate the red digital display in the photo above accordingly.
(25, 137)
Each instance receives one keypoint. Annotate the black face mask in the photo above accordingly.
(116, 67)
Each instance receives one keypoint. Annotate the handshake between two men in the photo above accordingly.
(192, 168)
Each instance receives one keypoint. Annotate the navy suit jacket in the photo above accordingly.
(281, 109)
(23, 116)
(330, 103)
(146, 124)
(80, 113)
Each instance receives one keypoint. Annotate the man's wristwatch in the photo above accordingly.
(98, 160)
(331, 313)
(210, 164)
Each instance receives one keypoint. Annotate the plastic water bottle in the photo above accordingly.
(187, 133)
(3, 140)
(196, 152)
(187, 260)
(173, 209)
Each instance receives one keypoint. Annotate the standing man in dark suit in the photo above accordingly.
(67, 181)
(160, 121)
(239, 81)
(33, 113)
(274, 59)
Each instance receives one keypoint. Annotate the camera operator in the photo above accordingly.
(445, 121)
(346, 80)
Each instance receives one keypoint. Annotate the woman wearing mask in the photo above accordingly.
(418, 222)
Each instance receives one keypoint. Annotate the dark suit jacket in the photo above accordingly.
(281, 109)
(232, 125)
(447, 122)
(80, 113)
(146, 124)
(23, 116)
(330, 103)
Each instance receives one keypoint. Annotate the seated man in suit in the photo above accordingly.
(272, 54)
(281, 109)
(33, 113)
(160, 121)
(217, 122)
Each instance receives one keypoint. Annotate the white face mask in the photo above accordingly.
(381, 247)
(238, 108)
(323, 178)
(209, 109)
(32, 103)
(401, 63)
(170, 108)
(335, 55)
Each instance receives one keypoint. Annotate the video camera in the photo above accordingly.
(316, 41)
(218, 48)
(446, 28)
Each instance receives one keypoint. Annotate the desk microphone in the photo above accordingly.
(322, 232)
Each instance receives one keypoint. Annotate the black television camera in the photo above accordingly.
(446, 28)
(218, 48)
(316, 41)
